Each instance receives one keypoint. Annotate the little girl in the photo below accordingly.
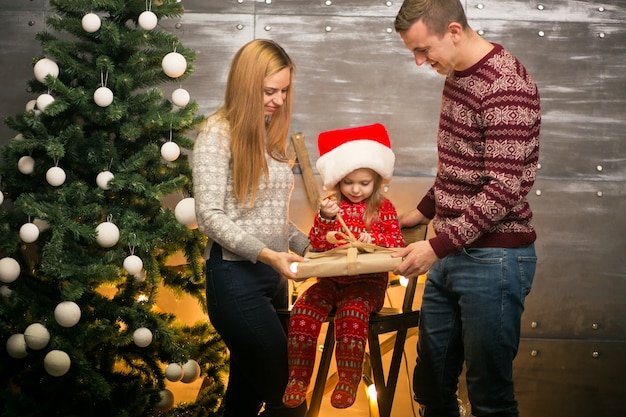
(354, 163)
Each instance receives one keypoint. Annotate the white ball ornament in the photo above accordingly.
(107, 234)
(170, 151)
(43, 67)
(31, 105)
(142, 337)
(91, 22)
(166, 402)
(57, 362)
(103, 179)
(174, 64)
(55, 176)
(191, 371)
(67, 313)
(9, 270)
(16, 346)
(185, 212)
(26, 165)
(36, 336)
(103, 97)
(1, 197)
(29, 232)
(174, 372)
(44, 101)
(180, 97)
(133, 264)
(147, 20)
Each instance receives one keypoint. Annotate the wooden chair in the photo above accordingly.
(398, 320)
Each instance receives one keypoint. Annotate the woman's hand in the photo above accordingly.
(281, 262)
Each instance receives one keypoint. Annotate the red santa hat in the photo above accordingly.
(342, 151)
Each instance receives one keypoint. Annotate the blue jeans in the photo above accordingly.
(471, 311)
(242, 299)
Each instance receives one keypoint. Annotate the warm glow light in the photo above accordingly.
(404, 281)
(142, 298)
(372, 396)
(294, 267)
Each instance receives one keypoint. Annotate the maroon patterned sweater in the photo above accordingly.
(488, 149)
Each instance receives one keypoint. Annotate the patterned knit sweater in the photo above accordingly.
(385, 230)
(241, 231)
(488, 148)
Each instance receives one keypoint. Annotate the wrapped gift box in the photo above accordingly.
(346, 261)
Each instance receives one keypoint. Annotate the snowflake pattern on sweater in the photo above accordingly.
(488, 148)
(385, 229)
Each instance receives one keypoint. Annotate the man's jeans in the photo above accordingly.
(471, 311)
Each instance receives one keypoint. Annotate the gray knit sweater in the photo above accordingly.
(241, 231)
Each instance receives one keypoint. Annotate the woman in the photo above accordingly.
(242, 185)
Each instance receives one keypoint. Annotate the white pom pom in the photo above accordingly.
(5, 291)
(174, 372)
(67, 313)
(167, 400)
(16, 346)
(57, 362)
(142, 337)
(26, 165)
(9, 270)
(36, 336)
(191, 371)
(44, 67)
(91, 22)
(174, 64)
(103, 97)
(107, 234)
(170, 151)
(180, 97)
(133, 264)
(185, 212)
(43, 101)
(29, 232)
(147, 20)
(103, 179)
(55, 176)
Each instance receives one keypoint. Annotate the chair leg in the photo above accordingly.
(386, 390)
(322, 371)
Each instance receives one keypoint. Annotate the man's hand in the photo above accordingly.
(417, 258)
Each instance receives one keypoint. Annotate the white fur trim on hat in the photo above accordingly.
(359, 153)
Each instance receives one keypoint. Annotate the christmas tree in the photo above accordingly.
(87, 241)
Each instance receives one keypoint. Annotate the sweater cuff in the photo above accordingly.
(442, 246)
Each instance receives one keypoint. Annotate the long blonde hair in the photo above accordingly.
(251, 135)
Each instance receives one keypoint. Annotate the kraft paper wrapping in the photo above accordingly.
(351, 258)
(346, 261)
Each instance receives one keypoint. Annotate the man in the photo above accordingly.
(482, 260)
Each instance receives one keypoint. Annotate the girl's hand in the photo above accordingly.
(329, 208)
(365, 238)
